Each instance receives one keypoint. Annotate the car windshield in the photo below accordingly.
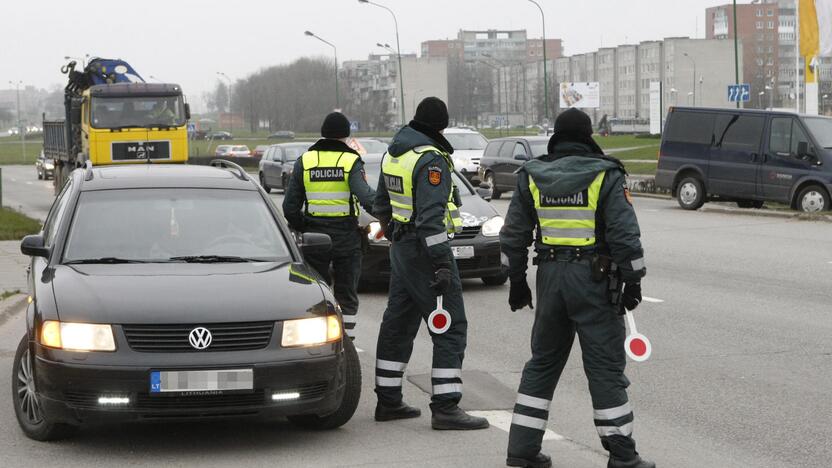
(373, 146)
(539, 148)
(294, 152)
(466, 141)
(373, 170)
(821, 128)
(158, 225)
(143, 111)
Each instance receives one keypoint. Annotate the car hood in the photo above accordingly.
(186, 293)
(474, 212)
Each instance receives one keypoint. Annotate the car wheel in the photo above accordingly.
(813, 199)
(352, 393)
(264, 185)
(750, 204)
(30, 415)
(691, 193)
(489, 179)
(496, 280)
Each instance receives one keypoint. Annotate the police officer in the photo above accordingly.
(418, 203)
(326, 187)
(575, 204)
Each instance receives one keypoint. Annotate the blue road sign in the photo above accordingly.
(354, 126)
(739, 92)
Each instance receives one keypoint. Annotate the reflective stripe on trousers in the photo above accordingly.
(531, 412)
(614, 421)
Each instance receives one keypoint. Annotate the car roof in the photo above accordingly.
(529, 138)
(460, 130)
(135, 176)
(294, 143)
(744, 111)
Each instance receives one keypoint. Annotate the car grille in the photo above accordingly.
(476, 263)
(468, 232)
(174, 338)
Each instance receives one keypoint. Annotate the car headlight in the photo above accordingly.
(375, 233)
(77, 336)
(49, 165)
(311, 331)
(491, 228)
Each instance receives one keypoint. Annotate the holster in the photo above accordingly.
(616, 287)
(601, 265)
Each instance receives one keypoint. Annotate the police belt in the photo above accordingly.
(564, 254)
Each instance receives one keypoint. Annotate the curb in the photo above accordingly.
(11, 306)
(798, 216)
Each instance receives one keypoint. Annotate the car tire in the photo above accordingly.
(496, 280)
(30, 416)
(757, 204)
(812, 199)
(352, 394)
(264, 185)
(691, 193)
(489, 179)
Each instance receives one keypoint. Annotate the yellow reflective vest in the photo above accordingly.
(326, 176)
(568, 220)
(398, 178)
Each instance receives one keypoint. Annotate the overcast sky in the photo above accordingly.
(188, 41)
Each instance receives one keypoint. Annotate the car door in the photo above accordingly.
(266, 163)
(504, 168)
(519, 155)
(736, 155)
(783, 165)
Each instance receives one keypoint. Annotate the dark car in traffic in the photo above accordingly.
(746, 156)
(476, 249)
(503, 156)
(222, 135)
(45, 167)
(163, 292)
(282, 135)
(278, 162)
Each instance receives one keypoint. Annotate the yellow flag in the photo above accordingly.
(809, 36)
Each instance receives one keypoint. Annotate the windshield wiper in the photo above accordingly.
(213, 259)
(105, 260)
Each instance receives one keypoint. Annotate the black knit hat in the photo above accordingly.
(336, 125)
(433, 113)
(573, 125)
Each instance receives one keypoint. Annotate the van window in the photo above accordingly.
(739, 132)
(691, 127)
(786, 136)
(821, 129)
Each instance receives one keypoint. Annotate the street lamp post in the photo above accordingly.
(545, 73)
(398, 54)
(335, 53)
(20, 128)
(230, 112)
(693, 83)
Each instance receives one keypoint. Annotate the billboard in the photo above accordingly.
(582, 95)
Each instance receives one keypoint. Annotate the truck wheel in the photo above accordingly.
(489, 179)
(691, 193)
(30, 415)
(352, 393)
(813, 199)
(750, 204)
(264, 185)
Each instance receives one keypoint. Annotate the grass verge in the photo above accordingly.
(14, 225)
(7, 294)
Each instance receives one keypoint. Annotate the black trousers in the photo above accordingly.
(410, 302)
(344, 260)
(569, 302)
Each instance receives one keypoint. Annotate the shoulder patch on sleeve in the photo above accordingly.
(435, 175)
(627, 195)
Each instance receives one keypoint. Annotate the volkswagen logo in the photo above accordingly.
(200, 338)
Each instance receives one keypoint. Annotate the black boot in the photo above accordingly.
(541, 460)
(636, 462)
(391, 413)
(454, 419)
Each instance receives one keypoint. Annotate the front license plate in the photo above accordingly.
(463, 251)
(201, 381)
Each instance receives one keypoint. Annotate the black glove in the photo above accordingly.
(441, 279)
(519, 295)
(631, 297)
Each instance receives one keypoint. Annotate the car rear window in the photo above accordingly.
(690, 127)
(739, 132)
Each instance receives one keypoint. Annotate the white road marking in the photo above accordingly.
(358, 350)
(502, 420)
(652, 299)
(28, 183)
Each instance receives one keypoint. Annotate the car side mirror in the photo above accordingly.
(314, 242)
(485, 192)
(521, 157)
(187, 111)
(34, 246)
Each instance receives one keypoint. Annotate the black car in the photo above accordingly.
(503, 156)
(277, 163)
(282, 135)
(221, 136)
(45, 167)
(748, 157)
(172, 291)
(476, 248)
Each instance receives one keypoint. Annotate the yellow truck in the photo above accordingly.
(114, 117)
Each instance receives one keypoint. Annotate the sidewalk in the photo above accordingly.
(12, 267)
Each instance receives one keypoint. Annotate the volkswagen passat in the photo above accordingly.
(164, 292)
